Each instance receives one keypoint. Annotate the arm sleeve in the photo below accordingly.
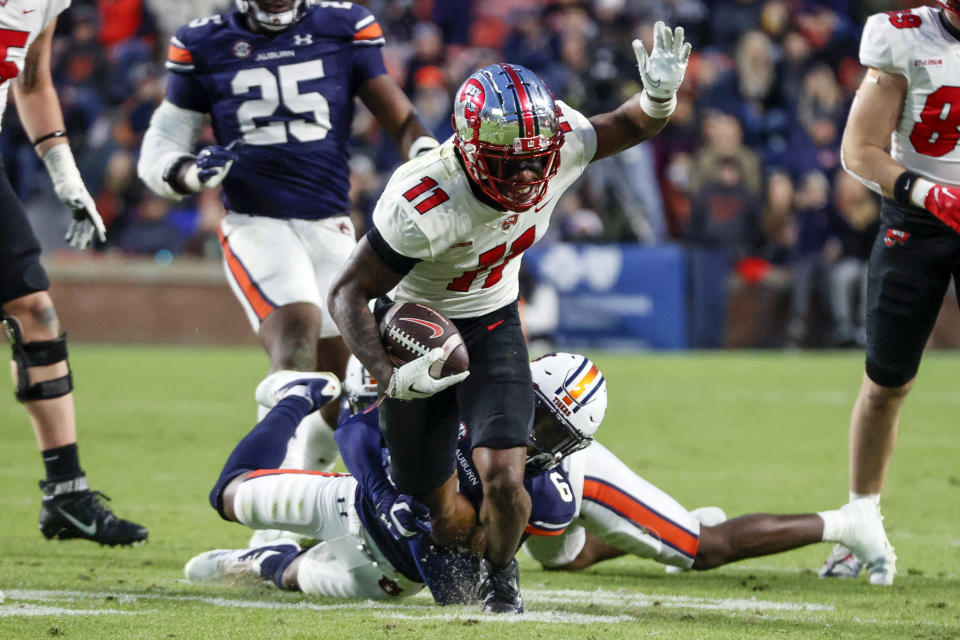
(359, 444)
(171, 135)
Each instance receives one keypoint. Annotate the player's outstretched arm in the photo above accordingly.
(645, 114)
(39, 110)
(397, 115)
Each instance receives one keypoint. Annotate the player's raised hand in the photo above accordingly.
(211, 166)
(71, 191)
(663, 68)
(413, 380)
(404, 516)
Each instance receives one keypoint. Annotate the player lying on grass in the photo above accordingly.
(624, 513)
(620, 513)
(372, 538)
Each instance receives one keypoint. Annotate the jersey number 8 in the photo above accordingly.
(286, 91)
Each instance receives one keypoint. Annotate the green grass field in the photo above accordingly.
(747, 432)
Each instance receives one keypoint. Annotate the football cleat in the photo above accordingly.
(867, 539)
(222, 564)
(317, 387)
(841, 563)
(707, 517)
(499, 590)
(70, 510)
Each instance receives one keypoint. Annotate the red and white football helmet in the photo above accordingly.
(505, 121)
(953, 6)
(273, 15)
(571, 399)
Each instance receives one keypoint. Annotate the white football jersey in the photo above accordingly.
(915, 44)
(21, 22)
(469, 252)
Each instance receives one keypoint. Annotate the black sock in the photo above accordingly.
(62, 463)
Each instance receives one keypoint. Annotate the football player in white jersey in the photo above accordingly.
(619, 513)
(42, 375)
(449, 232)
(908, 101)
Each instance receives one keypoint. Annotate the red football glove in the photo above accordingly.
(944, 202)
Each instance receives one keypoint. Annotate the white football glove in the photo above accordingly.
(413, 380)
(71, 191)
(662, 70)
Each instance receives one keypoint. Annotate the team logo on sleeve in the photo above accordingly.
(242, 49)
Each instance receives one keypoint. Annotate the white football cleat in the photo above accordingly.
(867, 538)
(708, 517)
(841, 563)
(319, 387)
(221, 564)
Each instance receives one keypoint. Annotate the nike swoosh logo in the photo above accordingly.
(29, 10)
(536, 209)
(89, 529)
(496, 324)
(437, 329)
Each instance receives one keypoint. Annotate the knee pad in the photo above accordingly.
(37, 354)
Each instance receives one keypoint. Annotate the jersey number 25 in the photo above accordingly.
(283, 88)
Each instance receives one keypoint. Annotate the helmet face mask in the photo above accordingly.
(359, 387)
(273, 15)
(508, 133)
(953, 6)
(571, 399)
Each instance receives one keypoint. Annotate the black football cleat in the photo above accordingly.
(70, 510)
(499, 590)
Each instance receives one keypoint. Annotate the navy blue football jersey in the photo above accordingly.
(288, 96)
(552, 501)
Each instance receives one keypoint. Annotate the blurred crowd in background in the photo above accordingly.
(749, 164)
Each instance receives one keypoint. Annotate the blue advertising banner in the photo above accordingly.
(615, 296)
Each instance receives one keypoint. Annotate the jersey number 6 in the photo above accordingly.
(286, 91)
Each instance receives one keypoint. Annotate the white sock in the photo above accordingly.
(834, 525)
(872, 496)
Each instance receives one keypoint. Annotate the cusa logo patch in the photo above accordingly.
(894, 237)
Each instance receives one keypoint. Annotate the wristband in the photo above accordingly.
(902, 187)
(421, 145)
(59, 133)
(171, 175)
(656, 109)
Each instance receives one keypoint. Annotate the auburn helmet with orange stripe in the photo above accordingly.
(953, 6)
(273, 15)
(507, 130)
(571, 398)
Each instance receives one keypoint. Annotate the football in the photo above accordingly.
(409, 330)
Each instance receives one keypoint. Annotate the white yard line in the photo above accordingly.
(30, 610)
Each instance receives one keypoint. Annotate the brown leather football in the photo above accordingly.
(409, 330)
